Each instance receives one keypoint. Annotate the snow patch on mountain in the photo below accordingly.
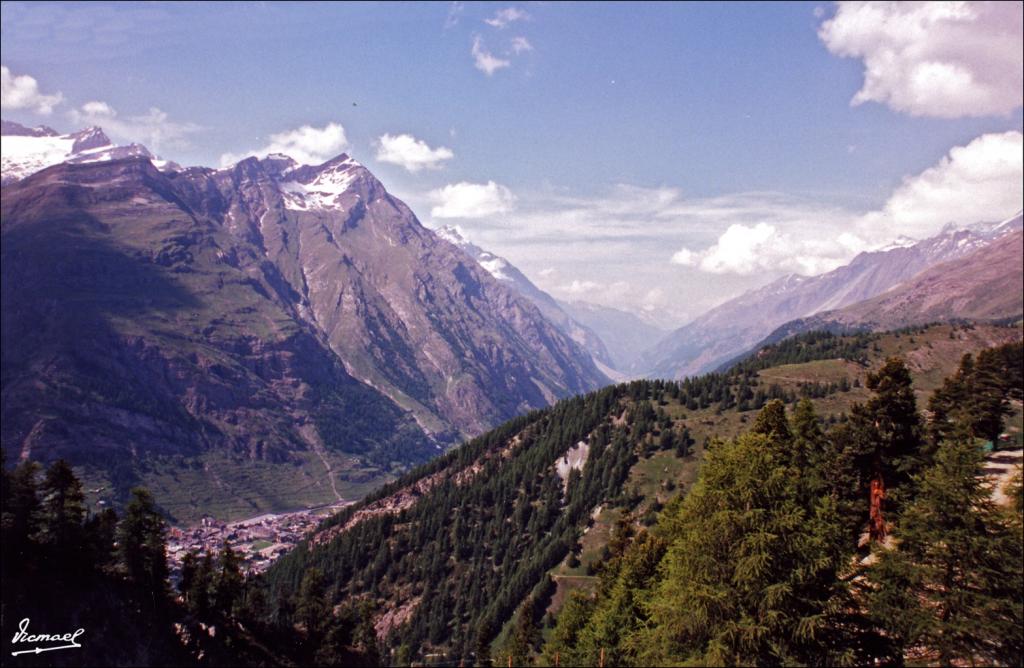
(29, 150)
(324, 190)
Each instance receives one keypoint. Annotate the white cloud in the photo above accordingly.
(686, 258)
(22, 92)
(520, 45)
(943, 59)
(977, 182)
(411, 153)
(628, 234)
(484, 60)
(504, 17)
(746, 250)
(306, 145)
(471, 200)
(578, 287)
(155, 129)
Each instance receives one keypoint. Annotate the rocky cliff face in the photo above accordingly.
(267, 313)
(408, 312)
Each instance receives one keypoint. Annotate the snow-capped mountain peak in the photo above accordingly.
(901, 241)
(308, 188)
(29, 150)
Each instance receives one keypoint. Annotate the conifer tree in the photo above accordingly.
(955, 581)
(809, 448)
(521, 641)
(772, 422)
(63, 513)
(101, 535)
(749, 577)
(229, 583)
(200, 587)
(142, 544)
(20, 516)
(886, 443)
(189, 570)
(990, 402)
(564, 643)
(312, 609)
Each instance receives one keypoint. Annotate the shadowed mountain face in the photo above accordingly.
(266, 313)
(737, 325)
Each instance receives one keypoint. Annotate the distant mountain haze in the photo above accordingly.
(735, 326)
(987, 284)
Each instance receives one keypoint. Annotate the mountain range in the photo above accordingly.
(271, 335)
(517, 522)
(737, 325)
(28, 150)
(505, 271)
(257, 337)
(983, 285)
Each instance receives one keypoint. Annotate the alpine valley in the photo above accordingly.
(264, 337)
(186, 343)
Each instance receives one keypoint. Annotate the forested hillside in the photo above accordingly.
(475, 553)
(773, 513)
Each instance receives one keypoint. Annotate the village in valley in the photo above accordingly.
(259, 541)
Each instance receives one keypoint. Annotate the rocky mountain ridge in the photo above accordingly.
(194, 329)
(735, 326)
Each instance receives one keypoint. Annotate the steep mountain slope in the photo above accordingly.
(988, 284)
(28, 150)
(528, 509)
(735, 326)
(141, 339)
(259, 337)
(407, 312)
(503, 270)
(625, 334)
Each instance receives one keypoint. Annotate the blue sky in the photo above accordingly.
(636, 129)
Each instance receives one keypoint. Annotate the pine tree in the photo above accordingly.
(521, 641)
(142, 544)
(749, 577)
(229, 583)
(950, 402)
(482, 644)
(809, 448)
(63, 512)
(887, 442)
(198, 592)
(189, 570)
(772, 422)
(564, 642)
(20, 518)
(990, 402)
(365, 636)
(101, 535)
(955, 581)
(312, 609)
